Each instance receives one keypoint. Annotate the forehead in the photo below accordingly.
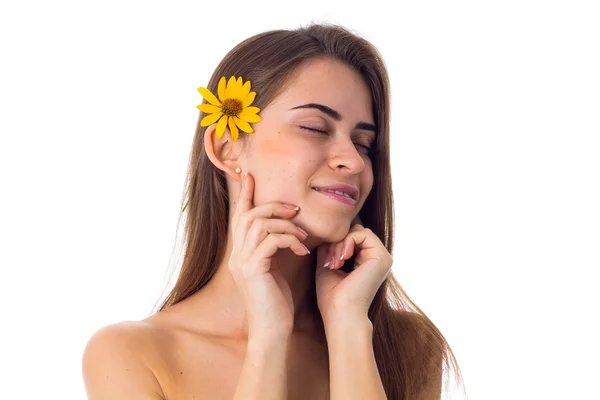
(330, 83)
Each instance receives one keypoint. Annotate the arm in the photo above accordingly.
(353, 370)
(264, 373)
(113, 369)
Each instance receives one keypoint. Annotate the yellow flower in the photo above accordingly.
(231, 108)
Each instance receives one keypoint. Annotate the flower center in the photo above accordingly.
(232, 107)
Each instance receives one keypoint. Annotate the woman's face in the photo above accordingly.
(288, 160)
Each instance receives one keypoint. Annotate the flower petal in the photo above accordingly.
(249, 114)
(207, 94)
(243, 125)
(248, 99)
(221, 127)
(209, 108)
(210, 119)
(245, 90)
(233, 129)
(230, 89)
(236, 90)
(221, 88)
(252, 110)
(239, 89)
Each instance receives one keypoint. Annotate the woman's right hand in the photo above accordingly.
(258, 232)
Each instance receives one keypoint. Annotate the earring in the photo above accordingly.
(238, 170)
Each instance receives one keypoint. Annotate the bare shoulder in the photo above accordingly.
(115, 362)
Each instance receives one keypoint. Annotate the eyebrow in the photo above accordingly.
(336, 115)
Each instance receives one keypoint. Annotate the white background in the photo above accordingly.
(495, 143)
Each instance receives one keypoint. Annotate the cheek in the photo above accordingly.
(286, 155)
(367, 181)
(281, 170)
(276, 159)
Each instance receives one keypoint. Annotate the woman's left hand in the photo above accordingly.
(342, 294)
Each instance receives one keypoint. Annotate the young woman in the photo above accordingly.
(285, 290)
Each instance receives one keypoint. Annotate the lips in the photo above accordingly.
(342, 198)
(339, 189)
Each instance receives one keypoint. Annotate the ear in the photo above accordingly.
(224, 152)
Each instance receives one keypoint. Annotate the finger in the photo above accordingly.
(329, 261)
(347, 248)
(268, 247)
(322, 252)
(344, 249)
(368, 245)
(246, 196)
(272, 209)
(348, 245)
(262, 227)
(337, 253)
(331, 255)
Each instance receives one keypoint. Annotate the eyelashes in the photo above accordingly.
(368, 149)
(312, 129)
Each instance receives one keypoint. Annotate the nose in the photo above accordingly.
(344, 154)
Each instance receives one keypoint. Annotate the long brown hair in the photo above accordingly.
(411, 352)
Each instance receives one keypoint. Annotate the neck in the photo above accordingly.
(221, 294)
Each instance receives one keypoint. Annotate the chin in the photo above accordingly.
(326, 229)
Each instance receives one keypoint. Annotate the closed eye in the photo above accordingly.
(312, 129)
(368, 149)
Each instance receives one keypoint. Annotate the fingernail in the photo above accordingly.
(342, 257)
(307, 251)
(329, 257)
(302, 230)
(291, 206)
(329, 262)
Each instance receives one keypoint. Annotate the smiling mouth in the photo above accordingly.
(336, 193)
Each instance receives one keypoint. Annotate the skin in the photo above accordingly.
(285, 162)
(205, 336)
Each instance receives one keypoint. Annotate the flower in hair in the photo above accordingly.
(232, 108)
